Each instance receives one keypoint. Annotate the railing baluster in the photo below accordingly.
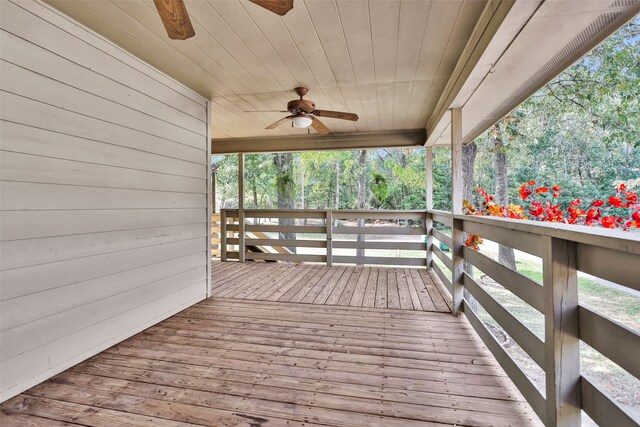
(329, 223)
(562, 342)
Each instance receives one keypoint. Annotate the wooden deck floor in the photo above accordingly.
(398, 288)
(262, 363)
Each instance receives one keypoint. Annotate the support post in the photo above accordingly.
(241, 224)
(457, 234)
(223, 235)
(211, 200)
(428, 219)
(329, 224)
(562, 342)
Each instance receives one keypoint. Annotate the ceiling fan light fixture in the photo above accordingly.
(301, 122)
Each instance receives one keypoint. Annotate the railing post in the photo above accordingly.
(329, 224)
(223, 235)
(428, 219)
(457, 235)
(562, 342)
(241, 224)
(428, 230)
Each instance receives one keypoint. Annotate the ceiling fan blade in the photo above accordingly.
(175, 18)
(319, 126)
(336, 115)
(265, 111)
(279, 7)
(278, 123)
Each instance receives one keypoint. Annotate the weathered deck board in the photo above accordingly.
(243, 362)
(402, 288)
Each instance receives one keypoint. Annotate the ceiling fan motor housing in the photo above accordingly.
(304, 105)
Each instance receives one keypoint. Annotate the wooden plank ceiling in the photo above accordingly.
(387, 61)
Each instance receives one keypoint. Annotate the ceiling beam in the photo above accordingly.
(317, 142)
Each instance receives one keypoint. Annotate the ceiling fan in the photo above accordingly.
(175, 17)
(304, 114)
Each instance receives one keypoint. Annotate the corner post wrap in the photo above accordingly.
(457, 234)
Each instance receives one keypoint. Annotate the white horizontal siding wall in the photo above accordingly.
(103, 195)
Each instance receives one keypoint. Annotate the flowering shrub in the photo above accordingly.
(620, 211)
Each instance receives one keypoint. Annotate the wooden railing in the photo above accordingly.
(564, 250)
(324, 231)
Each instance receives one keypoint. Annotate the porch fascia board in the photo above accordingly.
(316, 142)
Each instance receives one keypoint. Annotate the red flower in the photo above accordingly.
(576, 202)
(608, 222)
(536, 209)
(524, 191)
(542, 190)
(622, 187)
(556, 188)
(631, 198)
(598, 203)
(593, 215)
(615, 201)
(634, 222)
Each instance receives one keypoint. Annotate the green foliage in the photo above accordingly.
(380, 189)
(581, 131)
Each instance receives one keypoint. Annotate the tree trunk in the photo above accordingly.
(337, 205)
(254, 190)
(304, 221)
(284, 190)
(506, 255)
(469, 153)
(362, 196)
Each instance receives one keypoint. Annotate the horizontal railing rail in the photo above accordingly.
(256, 238)
(564, 250)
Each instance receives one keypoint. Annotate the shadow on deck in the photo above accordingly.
(230, 361)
